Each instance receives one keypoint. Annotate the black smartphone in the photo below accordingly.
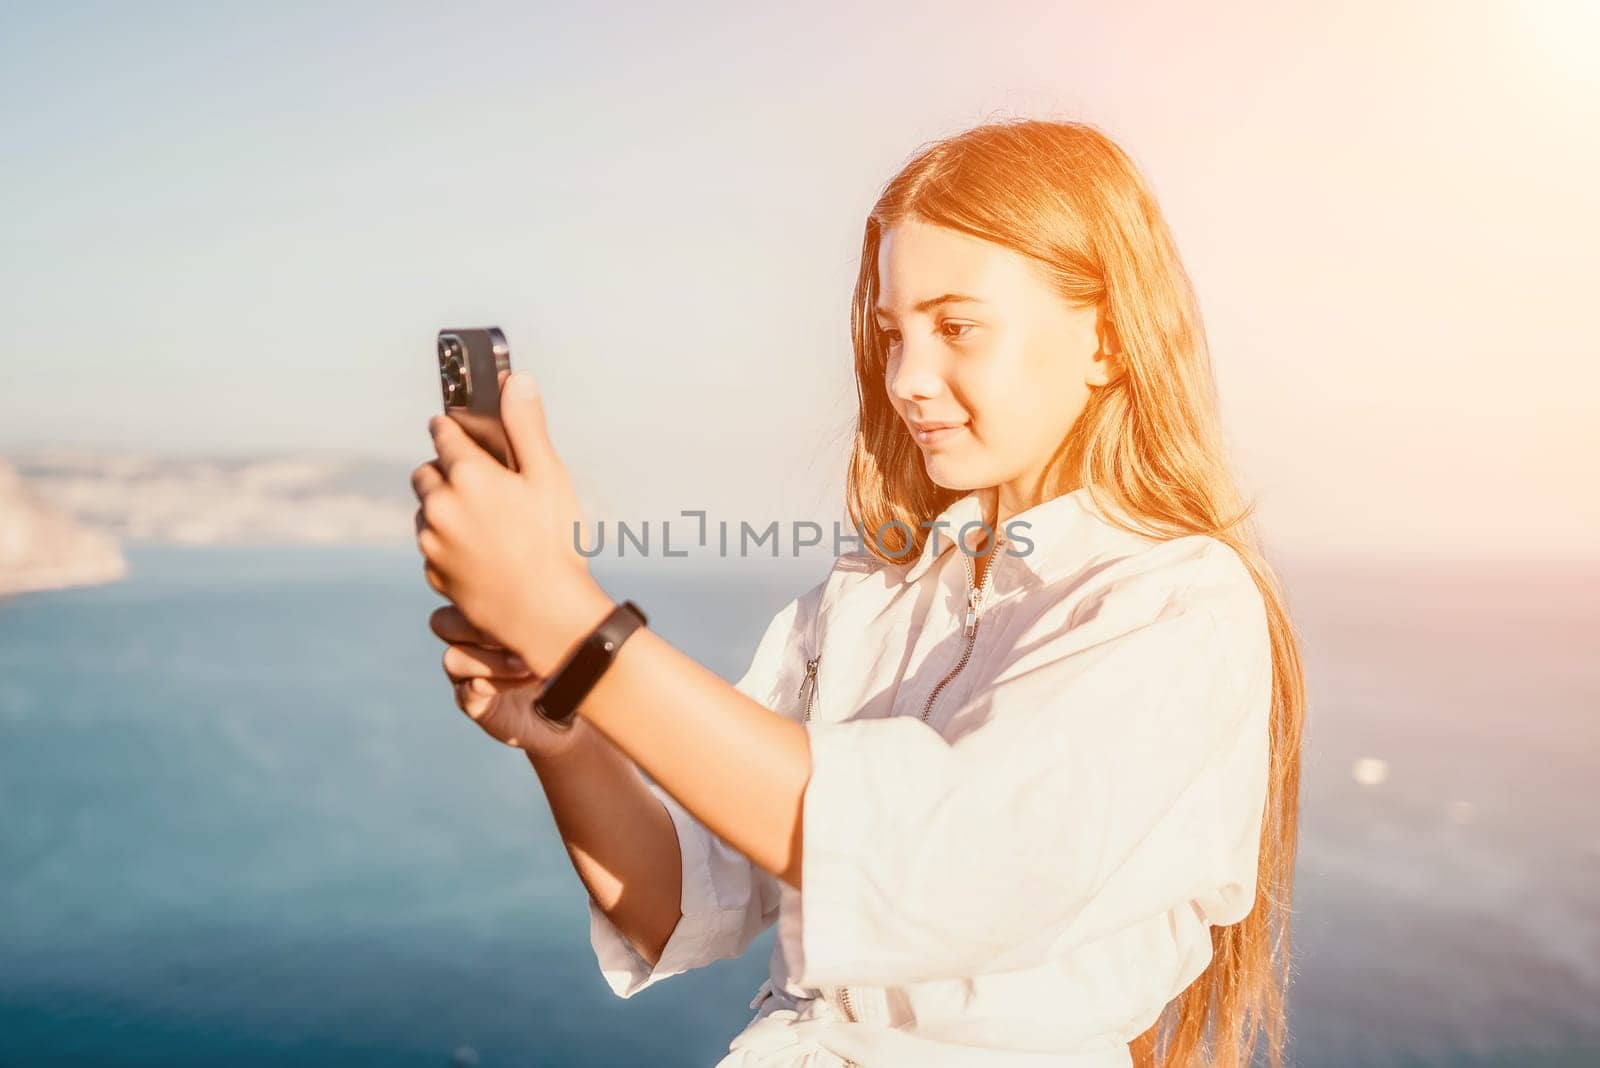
(470, 362)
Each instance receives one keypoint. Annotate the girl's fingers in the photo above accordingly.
(470, 699)
(477, 696)
(485, 686)
(448, 623)
(463, 661)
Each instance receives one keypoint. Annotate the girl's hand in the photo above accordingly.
(496, 689)
(500, 544)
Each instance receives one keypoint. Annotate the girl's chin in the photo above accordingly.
(946, 474)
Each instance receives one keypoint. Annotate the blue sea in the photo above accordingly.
(243, 823)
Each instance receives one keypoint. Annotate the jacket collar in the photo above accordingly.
(1045, 525)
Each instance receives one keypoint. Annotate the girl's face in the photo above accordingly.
(978, 342)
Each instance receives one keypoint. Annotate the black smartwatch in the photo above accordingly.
(558, 701)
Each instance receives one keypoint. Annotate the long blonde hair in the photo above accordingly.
(1149, 444)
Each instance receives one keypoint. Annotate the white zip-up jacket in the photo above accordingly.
(1028, 801)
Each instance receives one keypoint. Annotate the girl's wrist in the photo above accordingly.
(547, 651)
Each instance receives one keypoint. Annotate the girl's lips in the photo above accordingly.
(934, 437)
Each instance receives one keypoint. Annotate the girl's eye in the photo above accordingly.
(891, 337)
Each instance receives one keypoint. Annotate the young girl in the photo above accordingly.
(1017, 780)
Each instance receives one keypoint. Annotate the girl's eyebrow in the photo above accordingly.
(934, 302)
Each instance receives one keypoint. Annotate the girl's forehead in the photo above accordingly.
(919, 263)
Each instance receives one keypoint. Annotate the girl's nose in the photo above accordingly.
(915, 376)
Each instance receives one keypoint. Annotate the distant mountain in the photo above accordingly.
(209, 500)
(43, 547)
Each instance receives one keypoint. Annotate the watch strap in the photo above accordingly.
(565, 690)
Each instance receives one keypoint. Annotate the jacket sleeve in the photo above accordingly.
(727, 900)
(1118, 771)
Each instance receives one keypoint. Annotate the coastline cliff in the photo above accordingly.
(42, 547)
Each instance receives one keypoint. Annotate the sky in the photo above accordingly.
(235, 228)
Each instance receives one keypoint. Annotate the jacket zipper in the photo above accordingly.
(976, 595)
(808, 685)
(808, 691)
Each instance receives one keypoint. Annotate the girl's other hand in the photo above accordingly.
(496, 689)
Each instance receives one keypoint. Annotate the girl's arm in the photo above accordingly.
(619, 836)
(738, 768)
(726, 900)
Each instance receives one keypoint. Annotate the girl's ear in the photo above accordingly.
(1107, 366)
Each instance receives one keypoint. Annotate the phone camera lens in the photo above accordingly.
(453, 370)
